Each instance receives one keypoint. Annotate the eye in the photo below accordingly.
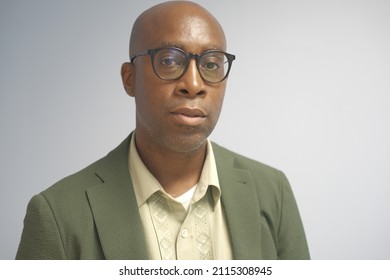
(212, 62)
(169, 61)
(211, 66)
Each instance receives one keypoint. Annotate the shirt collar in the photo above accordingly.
(145, 184)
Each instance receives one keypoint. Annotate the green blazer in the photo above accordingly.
(93, 214)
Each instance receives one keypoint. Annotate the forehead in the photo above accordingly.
(193, 30)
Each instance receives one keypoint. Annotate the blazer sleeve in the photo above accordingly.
(40, 239)
(292, 243)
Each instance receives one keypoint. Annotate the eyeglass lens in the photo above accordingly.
(170, 64)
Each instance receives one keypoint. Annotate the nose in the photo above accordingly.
(191, 83)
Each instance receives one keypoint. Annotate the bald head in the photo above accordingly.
(159, 25)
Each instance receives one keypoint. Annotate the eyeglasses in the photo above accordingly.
(171, 63)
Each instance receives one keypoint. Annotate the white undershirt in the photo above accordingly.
(185, 198)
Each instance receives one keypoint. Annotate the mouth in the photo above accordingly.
(189, 116)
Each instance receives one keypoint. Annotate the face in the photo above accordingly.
(175, 115)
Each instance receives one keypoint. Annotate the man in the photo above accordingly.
(167, 192)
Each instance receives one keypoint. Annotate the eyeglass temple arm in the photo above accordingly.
(147, 52)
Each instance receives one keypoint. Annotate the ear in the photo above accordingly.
(127, 73)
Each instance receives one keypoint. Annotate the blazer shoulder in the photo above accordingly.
(76, 182)
(113, 164)
(243, 162)
(268, 181)
(65, 208)
(281, 232)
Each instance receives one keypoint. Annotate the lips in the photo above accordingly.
(189, 116)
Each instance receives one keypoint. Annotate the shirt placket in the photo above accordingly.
(194, 239)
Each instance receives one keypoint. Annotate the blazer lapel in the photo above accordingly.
(115, 209)
(240, 203)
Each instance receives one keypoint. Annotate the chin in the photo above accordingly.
(184, 144)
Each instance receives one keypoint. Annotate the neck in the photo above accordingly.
(177, 172)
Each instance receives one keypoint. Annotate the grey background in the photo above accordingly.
(309, 94)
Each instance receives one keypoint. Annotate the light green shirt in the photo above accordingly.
(172, 231)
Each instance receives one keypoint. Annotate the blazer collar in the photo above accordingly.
(241, 205)
(114, 208)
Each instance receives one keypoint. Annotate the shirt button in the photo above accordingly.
(184, 233)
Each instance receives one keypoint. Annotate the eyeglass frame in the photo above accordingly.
(188, 56)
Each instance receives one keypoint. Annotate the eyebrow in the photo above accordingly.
(179, 46)
(168, 44)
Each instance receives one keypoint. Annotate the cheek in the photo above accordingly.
(151, 99)
(147, 102)
(146, 89)
(218, 98)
